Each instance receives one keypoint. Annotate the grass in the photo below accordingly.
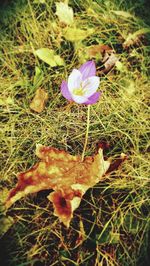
(113, 218)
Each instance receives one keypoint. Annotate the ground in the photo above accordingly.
(112, 223)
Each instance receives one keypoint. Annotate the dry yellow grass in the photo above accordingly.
(113, 218)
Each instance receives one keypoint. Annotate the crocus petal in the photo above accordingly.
(90, 86)
(79, 99)
(88, 70)
(94, 98)
(74, 80)
(64, 90)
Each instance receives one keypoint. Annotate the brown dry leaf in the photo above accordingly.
(94, 50)
(109, 58)
(111, 61)
(39, 100)
(66, 174)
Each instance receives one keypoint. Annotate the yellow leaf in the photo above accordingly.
(74, 34)
(39, 100)
(59, 61)
(64, 13)
(48, 56)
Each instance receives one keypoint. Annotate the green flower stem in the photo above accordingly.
(87, 132)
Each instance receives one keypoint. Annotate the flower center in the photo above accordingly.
(78, 92)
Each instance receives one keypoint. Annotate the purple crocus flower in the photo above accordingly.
(82, 85)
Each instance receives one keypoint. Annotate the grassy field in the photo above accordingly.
(112, 221)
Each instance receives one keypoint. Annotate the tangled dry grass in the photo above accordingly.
(111, 225)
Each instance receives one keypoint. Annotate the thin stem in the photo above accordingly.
(87, 132)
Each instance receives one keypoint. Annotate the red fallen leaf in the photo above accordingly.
(66, 174)
(39, 100)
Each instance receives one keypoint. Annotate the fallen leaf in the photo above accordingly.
(94, 50)
(75, 34)
(66, 174)
(135, 37)
(39, 100)
(48, 56)
(110, 59)
(64, 13)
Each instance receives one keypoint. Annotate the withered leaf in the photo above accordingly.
(94, 50)
(104, 53)
(110, 62)
(39, 100)
(66, 174)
